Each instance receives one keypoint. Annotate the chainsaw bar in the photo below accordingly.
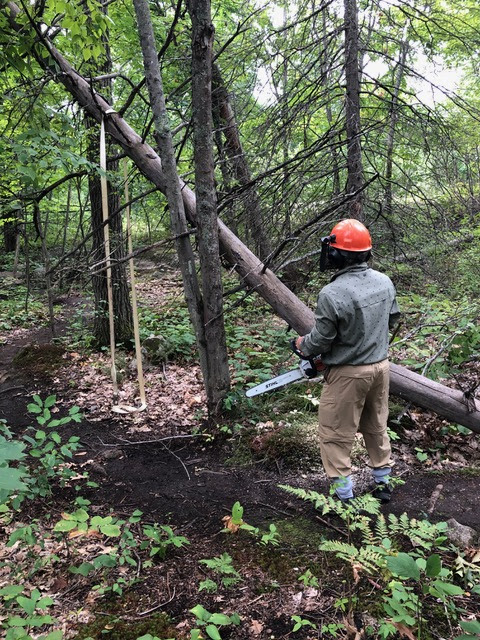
(276, 383)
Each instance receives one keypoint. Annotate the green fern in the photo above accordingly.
(381, 529)
(366, 558)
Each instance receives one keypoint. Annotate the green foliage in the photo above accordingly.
(442, 332)
(308, 579)
(300, 623)
(41, 454)
(332, 629)
(223, 569)
(19, 309)
(154, 542)
(235, 522)
(161, 537)
(173, 325)
(26, 611)
(378, 552)
(212, 622)
(471, 628)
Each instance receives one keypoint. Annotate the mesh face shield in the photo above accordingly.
(324, 254)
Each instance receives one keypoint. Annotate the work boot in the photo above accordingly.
(382, 492)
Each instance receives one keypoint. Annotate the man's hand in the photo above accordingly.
(296, 346)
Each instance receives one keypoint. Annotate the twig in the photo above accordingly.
(269, 506)
(328, 524)
(179, 459)
(10, 389)
(157, 606)
(129, 443)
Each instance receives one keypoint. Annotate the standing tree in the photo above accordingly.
(218, 379)
(352, 110)
(213, 358)
(123, 320)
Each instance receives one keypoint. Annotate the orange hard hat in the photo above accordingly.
(351, 235)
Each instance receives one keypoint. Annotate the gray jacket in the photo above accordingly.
(354, 313)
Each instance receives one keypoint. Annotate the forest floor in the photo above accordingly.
(162, 462)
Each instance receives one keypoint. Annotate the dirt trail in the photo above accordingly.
(184, 481)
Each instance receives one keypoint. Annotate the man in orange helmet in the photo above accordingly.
(353, 316)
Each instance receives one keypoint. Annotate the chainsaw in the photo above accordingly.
(307, 368)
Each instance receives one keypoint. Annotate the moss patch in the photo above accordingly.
(113, 628)
(294, 445)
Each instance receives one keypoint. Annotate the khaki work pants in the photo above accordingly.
(354, 398)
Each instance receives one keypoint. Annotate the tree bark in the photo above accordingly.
(10, 233)
(446, 402)
(123, 319)
(166, 174)
(217, 383)
(352, 110)
(398, 76)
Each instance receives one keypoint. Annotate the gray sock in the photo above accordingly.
(343, 487)
(382, 476)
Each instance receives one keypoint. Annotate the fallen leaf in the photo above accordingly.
(58, 584)
(256, 627)
(230, 525)
(404, 631)
(76, 533)
(356, 568)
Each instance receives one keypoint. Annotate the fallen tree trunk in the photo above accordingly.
(446, 402)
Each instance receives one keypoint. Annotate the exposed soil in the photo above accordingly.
(182, 480)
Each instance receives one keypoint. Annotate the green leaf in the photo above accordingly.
(44, 602)
(10, 591)
(219, 618)
(403, 565)
(80, 515)
(200, 613)
(34, 408)
(237, 513)
(213, 632)
(110, 530)
(10, 479)
(84, 569)
(104, 560)
(50, 401)
(10, 450)
(434, 565)
(65, 525)
(53, 635)
(471, 626)
(17, 621)
(447, 588)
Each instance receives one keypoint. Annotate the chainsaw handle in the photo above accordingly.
(297, 352)
(311, 366)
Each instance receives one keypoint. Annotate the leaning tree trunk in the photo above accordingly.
(352, 110)
(446, 402)
(218, 381)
